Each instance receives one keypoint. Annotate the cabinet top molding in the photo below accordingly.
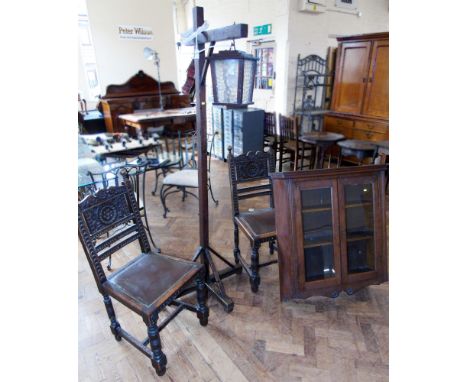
(326, 173)
(368, 36)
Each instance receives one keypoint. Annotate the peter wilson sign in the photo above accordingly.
(131, 32)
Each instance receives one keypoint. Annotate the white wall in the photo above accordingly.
(220, 13)
(118, 59)
(294, 32)
(313, 33)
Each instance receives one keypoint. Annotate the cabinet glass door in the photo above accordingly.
(317, 224)
(359, 216)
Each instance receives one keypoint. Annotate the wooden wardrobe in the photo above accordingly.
(359, 107)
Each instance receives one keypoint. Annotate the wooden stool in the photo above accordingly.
(357, 148)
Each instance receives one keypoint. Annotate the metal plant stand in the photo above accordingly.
(310, 96)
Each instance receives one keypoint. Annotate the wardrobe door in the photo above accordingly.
(376, 99)
(351, 76)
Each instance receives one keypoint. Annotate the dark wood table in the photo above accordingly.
(322, 140)
(143, 119)
(357, 148)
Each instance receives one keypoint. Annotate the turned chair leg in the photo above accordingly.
(115, 326)
(272, 246)
(280, 167)
(340, 158)
(158, 360)
(236, 244)
(202, 295)
(255, 278)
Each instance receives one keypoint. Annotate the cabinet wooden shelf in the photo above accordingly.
(317, 244)
(354, 205)
(318, 209)
(338, 247)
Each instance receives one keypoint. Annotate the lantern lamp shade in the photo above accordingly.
(233, 75)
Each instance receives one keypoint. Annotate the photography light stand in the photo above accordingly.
(152, 55)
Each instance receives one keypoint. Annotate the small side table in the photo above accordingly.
(358, 148)
(322, 140)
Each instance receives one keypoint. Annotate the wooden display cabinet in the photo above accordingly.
(331, 230)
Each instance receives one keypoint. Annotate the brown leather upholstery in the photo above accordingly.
(149, 280)
(258, 224)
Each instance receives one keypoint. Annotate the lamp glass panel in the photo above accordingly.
(248, 83)
(227, 76)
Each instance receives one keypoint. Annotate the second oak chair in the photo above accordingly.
(248, 175)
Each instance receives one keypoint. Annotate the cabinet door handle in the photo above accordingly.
(364, 80)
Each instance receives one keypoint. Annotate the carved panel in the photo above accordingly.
(251, 166)
(106, 209)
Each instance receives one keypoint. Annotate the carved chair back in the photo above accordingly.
(270, 124)
(107, 221)
(250, 168)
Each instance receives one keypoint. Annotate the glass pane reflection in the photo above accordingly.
(318, 234)
(360, 227)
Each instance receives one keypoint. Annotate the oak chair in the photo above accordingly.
(290, 145)
(146, 284)
(248, 176)
(269, 133)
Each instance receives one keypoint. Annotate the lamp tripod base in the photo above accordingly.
(213, 277)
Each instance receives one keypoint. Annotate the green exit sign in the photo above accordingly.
(262, 29)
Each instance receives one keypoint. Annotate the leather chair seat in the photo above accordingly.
(149, 280)
(258, 224)
(184, 178)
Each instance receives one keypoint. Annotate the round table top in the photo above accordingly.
(321, 136)
(382, 144)
(357, 144)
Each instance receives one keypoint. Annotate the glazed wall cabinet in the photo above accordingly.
(359, 107)
(331, 230)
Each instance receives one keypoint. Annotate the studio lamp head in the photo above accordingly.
(152, 55)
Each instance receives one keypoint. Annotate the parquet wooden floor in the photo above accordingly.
(319, 339)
